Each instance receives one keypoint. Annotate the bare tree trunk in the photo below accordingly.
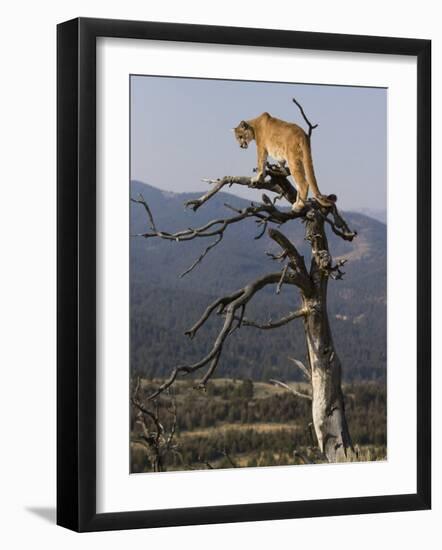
(328, 410)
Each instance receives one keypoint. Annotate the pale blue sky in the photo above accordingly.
(181, 132)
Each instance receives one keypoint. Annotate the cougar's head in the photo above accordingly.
(244, 134)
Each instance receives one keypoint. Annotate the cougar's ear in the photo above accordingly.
(243, 124)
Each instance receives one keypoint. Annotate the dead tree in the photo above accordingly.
(152, 434)
(324, 367)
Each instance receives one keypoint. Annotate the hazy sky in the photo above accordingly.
(181, 132)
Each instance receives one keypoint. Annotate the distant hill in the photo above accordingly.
(163, 305)
(376, 213)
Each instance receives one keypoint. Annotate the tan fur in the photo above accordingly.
(285, 142)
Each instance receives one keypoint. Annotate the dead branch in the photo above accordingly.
(281, 281)
(173, 412)
(339, 225)
(335, 271)
(209, 229)
(296, 261)
(315, 234)
(303, 368)
(290, 389)
(153, 416)
(276, 324)
(148, 211)
(158, 441)
(275, 180)
(311, 126)
(264, 214)
(229, 306)
(202, 256)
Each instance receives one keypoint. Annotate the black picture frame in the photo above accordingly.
(77, 287)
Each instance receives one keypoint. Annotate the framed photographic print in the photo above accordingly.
(243, 274)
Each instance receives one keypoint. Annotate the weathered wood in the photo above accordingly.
(328, 410)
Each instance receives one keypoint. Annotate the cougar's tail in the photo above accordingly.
(310, 176)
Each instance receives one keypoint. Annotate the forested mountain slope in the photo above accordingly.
(163, 305)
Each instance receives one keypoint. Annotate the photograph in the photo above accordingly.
(219, 316)
(258, 274)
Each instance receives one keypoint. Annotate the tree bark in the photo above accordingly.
(328, 409)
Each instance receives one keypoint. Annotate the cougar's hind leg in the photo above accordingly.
(298, 174)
